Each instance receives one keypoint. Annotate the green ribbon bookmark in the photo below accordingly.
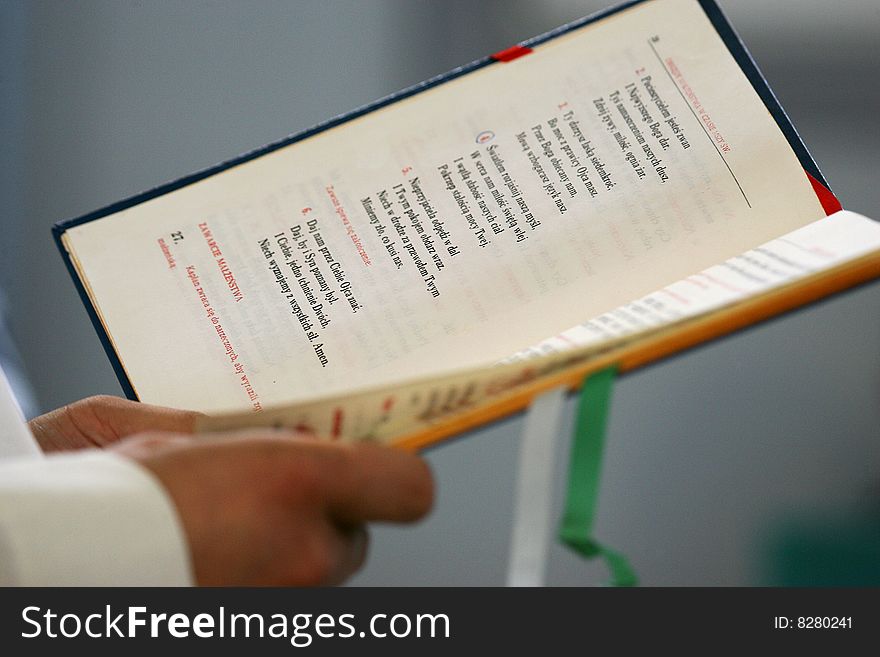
(584, 475)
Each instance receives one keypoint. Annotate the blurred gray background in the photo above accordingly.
(717, 460)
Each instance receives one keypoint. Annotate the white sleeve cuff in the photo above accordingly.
(90, 519)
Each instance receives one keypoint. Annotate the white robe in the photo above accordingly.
(88, 518)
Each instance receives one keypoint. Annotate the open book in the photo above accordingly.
(609, 193)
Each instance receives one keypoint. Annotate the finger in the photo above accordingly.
(127, 417)
(142, 446)
(353, 542)
(369, 482)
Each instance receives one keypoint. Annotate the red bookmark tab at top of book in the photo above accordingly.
(511, 53)
(828, 200)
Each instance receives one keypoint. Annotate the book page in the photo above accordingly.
(452, 228)
(389, 414)
(818, 246)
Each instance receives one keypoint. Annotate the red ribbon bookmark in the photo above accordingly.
(828, 200)
(511, 53)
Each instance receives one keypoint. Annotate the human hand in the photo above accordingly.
(272, 508)
(102, 420)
